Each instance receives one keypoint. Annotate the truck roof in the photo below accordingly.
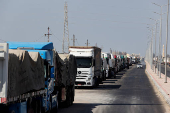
(84, 47)
(34, 45)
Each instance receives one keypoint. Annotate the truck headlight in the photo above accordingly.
(89, 79)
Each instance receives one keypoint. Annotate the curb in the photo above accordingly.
(165, 96)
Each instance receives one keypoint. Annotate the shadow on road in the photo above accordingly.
(105, 86)
(89, 107)
(111, 79)
(108, 82)
(118, 77)
(121, 73)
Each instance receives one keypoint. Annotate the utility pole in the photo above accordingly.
(66, 31)
(48, 34)
(74, 40)
(87, 43)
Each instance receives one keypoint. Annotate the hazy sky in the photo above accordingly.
(117, 24)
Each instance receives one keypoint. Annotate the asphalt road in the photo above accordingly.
(130, 92)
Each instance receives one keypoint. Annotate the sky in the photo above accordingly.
(121, 25)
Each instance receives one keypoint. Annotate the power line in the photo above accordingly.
(39, 38)
(77, 42)
(55, 35)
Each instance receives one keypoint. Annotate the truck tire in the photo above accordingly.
(29, 106)
(94, 83)
(71, 97)
(104, 75)
(68, 98)
(98, 81)
(50, 106)
(72, 94)
(55, 110)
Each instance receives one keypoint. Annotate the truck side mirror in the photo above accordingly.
(93, 62)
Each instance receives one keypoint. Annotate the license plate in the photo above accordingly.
(79, 84)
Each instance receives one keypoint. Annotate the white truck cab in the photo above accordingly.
(110, 62)
(88, 65)
(3, 72)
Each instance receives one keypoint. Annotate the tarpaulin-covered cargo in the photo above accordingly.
(71, 66)
(97, 57)
(25, 72)
(66, 68)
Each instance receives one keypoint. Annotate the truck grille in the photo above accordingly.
(81, 76)
(82, 83)
(82, 72)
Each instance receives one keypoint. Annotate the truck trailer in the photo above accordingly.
(66, 71)
(111, 67)
(29, 79)
(26, 86)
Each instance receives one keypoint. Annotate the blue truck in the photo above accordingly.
(30, 91)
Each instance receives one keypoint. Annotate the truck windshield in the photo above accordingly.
(84, 62)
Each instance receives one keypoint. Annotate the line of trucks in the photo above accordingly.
(34, 78)
(164, 59)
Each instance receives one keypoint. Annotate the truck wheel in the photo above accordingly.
(38, 106)
(50, 105)
(98, 81)
(71, 97)
(104, 75)
(72, 94)
(29, 106)
(94, 83)
(55, 110)
(68, 99)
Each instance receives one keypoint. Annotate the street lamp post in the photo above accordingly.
(166, 44)
(151, 50)
(156, 64)
(160, 38)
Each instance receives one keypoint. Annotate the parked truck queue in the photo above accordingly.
(36, 78)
